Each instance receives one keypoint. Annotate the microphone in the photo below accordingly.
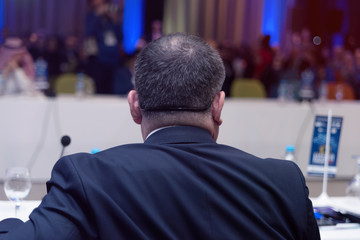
(65, 141)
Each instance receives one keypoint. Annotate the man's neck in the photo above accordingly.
(148, 127)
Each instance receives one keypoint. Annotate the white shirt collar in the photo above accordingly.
(158, 129)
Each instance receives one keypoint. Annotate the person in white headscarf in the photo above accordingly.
(16, 67)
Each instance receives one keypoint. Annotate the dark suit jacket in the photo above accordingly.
(179, 184)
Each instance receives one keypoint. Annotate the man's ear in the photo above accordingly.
(217, 107)
(135, 110)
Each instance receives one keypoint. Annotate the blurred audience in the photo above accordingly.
(300, 62)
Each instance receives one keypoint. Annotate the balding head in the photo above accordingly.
(177, 78)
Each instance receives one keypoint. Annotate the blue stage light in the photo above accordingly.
(132, 24)
(273, 14)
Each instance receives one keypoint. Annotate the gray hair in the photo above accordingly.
(178, 72)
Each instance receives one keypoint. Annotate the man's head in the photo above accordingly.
(177, 79)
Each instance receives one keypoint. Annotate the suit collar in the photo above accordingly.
(180, 134)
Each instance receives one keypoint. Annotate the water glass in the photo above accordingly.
(17, 185)
(353, 188)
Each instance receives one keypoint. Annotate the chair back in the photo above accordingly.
(66, 83)
(340, 91)
(247, 88)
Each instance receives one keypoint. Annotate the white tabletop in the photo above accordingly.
(7, 209)
(340, 232)
(348, 204)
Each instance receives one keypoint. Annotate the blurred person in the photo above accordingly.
(293, 61)
(337, 58)
(212, 43)
(3, 35)
(37, 44)
(356, 86)
(350, 43)
(226, 52)
(325, 60)
(124, 77)
(54, 56)
(72, 59)
(16, 67)
(246, 54)
(292, 43)
(271, 76)
(292, 67)
(263, 56)
(323, 71)
(348, 70)
(180, 183)
(238, 65)
(103, 42)
(156, 31)
(124, 74)
(306, 40)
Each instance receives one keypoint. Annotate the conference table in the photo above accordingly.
(31, 129)
(339, 232)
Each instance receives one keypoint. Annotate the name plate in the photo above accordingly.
(317, 154)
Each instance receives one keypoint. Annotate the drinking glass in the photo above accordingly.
(17, 185)
(353, 188)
